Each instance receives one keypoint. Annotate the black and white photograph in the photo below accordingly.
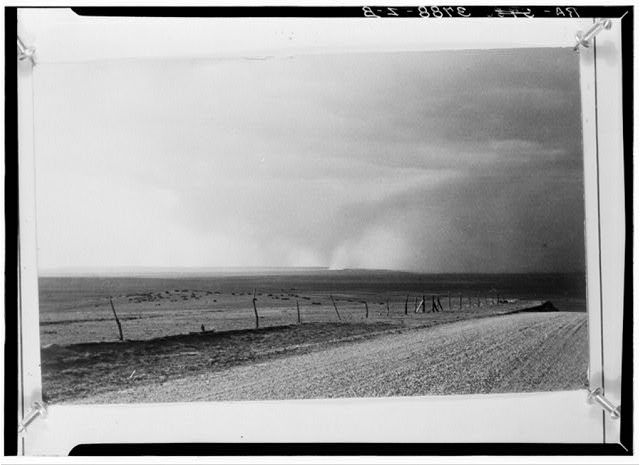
(309, 227)
(356, 231)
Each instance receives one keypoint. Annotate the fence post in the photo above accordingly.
(461, 301)
(255, 310)
(436, 306)
(116, 317)
(406, 303)
(366, 309)
(298, 308)
(334, 306)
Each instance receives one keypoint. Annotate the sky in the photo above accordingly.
(459, 161)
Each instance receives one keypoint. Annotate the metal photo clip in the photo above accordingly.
(595, 395)
(26, 53)
(586, 38)
(38, 409)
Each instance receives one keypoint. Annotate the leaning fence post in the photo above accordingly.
(334, 306)
(255, 310)
(116, 317)
(298, 308)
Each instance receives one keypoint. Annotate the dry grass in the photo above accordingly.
(511, 353)
(79, 370)
(162, 321)
(76, 310)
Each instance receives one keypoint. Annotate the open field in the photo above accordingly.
(510, 353)
(77, 370)
(76, 309)
(163, 320)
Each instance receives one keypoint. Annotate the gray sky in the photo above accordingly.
(467, 161)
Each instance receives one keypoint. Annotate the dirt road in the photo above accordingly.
(520, 352)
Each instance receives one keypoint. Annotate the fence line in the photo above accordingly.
(475, 299)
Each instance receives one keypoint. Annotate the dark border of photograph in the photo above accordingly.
(625, 447)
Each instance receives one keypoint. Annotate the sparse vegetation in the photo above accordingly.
(169, 332)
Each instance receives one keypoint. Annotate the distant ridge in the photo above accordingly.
(171, 271)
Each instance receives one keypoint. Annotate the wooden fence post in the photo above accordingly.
(334, 306)
(116, 317)
(461, 301)
(298, 308)
(255, 310)
(387, 307)
(366, 309)
(406, 303)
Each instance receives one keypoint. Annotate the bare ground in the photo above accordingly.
(519, 352)
(74, 371)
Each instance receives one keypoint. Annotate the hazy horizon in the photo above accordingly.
(435, 162)
(255, 271)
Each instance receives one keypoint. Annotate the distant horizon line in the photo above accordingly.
(153, 270)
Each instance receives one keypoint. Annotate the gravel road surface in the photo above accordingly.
(519, 352)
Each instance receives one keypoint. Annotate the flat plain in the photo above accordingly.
(512, 353)
(197, 335)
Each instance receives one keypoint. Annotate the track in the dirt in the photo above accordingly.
(520, 352)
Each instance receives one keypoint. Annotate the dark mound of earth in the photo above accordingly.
(544, 307)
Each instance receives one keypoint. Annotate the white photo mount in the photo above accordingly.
(550, 417)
